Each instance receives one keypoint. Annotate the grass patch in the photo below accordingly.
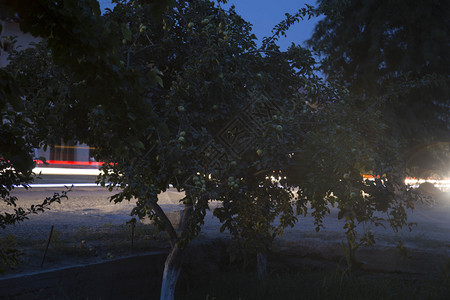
(109, 239)
(81, 244)
(111, 232)
(10, 256)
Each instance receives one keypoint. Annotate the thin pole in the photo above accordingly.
(46, 248)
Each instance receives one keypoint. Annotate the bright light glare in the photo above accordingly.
(66, 171)
(443, 185)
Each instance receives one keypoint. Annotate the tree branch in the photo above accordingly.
(167, 224)
(262, 51)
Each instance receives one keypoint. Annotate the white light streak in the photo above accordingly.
(66, 171)
(61, 185)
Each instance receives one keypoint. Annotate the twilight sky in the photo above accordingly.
(265, 14)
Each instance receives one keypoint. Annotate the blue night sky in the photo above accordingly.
(265, 14)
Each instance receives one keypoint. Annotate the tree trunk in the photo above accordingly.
(172, 266)
(261, 265)
(172, 269)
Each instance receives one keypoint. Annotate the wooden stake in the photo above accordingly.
(132, 235)
(46, 248)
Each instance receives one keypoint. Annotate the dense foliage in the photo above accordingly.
(77, 37)
(18, 138)
(396, 54)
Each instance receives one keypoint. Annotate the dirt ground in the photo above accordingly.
(88, 228)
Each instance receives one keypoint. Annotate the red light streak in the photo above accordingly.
(70, 162)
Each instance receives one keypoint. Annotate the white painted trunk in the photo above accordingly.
(169, 282)
(261, 265)
(172, 269)
(172, 266)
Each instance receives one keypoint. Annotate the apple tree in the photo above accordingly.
(218, 128)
